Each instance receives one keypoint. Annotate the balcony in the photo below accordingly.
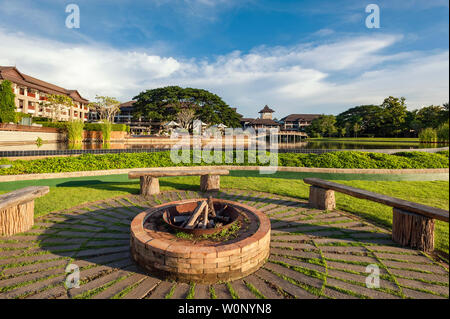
(31, 94)
(43, 98)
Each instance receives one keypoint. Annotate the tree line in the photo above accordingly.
(390, 119)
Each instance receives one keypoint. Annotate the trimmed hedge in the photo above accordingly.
(87, 126)
(344, 159)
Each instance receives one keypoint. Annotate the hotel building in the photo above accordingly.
(31, 94)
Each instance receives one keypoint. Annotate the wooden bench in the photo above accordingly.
(17, 209)
(412, 225)
(209, 181)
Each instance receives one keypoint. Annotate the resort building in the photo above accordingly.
(297, 122)
(31, 94)
(264, 121)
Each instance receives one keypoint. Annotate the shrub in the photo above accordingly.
(39, 142)
(106, 131)
(75, 131)
(19, 116)
(87, 126)
(90, 162)
(38, 119)
(114, 127)
(7, 104)
(443, 133)
(59, 125)
(428, 135)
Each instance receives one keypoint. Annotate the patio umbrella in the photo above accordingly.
(171, 124)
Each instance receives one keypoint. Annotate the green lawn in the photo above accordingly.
(66, 193)
(367, 139)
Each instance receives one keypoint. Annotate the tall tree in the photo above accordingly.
(164, 104)
(7, 104)
(430, 116)
(185, 118)
(367, 117)
(323, 125)
(394, 115)
(107, 107)
(55, 104)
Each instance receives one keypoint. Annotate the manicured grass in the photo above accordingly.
(367, 139)
(71, 192)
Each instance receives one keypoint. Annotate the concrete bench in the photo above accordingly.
(209, 181)
(17, 209)
(412, 225)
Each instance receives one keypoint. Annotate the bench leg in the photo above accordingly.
(17, 219)
(209, 183)
(149, 185)
(413, 230)
(321, 198)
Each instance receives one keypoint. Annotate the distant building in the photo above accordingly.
(139, 125)
(297, 122)
(126, 113)
(31, 92)
(264, 121)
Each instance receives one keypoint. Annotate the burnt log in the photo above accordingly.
(191, 223)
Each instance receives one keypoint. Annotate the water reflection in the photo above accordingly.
(282, 146)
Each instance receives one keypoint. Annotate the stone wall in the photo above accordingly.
(12, 133)
(98, 136)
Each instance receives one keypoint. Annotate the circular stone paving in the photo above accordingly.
(313, 254)
(156, 248)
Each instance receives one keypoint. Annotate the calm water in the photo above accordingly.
(282, 146)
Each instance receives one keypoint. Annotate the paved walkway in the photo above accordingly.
(314, 254)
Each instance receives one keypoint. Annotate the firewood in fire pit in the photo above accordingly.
(224, 219)
(195, 215)
(180, 219)
(205, 216)
(220, 212)
(212, 211)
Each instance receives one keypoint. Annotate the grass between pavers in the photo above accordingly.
(67, 193)
(254, 290)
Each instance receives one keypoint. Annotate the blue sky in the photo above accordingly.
(295, 56)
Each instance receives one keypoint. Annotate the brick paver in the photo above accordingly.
(314, 254)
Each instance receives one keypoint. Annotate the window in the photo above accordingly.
(20, 104)
(22, 91)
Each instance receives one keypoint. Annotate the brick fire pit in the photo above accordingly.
(162, 251)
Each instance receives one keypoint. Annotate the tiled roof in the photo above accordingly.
(267, 109)
(297, 117)
(127, 104)
(263, 122)
(11, 73)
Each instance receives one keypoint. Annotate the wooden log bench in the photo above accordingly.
(412, 225)
(17, 209)
(209, 180)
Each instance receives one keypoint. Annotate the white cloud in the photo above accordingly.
(315, 78)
